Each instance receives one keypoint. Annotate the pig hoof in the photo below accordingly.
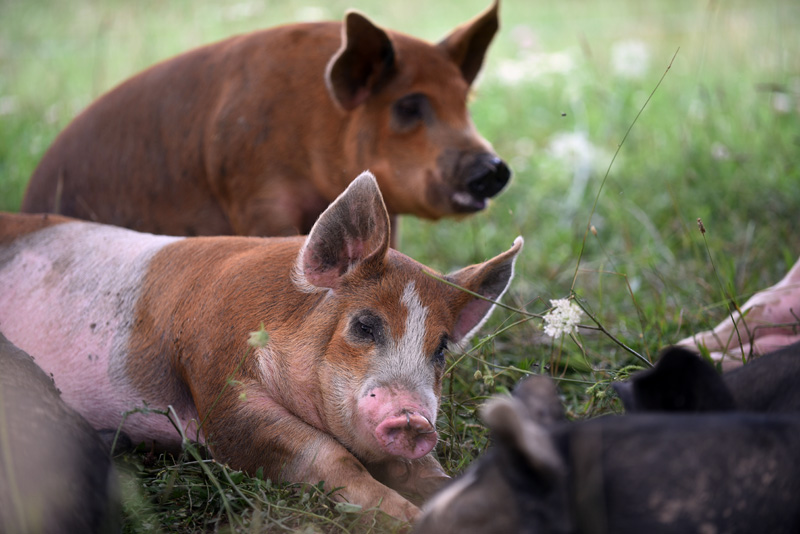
(410, 435)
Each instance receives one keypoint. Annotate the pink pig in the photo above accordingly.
(347, 388)
(768, 322)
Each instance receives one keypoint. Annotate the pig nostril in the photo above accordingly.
(432, 429)
(408, 434)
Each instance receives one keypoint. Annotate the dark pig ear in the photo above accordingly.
(353, 232)
(681, 381)
(625, 393)
(489, 279)
(512, 427)
(467, 44)
(539, 395)
(362, 64)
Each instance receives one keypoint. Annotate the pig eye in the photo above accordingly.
(367, 330)
(438, 356)
(366, 327)
(409, 110)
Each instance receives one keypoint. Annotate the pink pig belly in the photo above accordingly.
(67, 297)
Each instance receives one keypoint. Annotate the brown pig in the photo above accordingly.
(257, 134)
(347, 388)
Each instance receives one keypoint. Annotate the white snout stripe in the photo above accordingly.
(404, 361)
(413, 341)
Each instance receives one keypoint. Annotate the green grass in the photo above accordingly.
(712, 143)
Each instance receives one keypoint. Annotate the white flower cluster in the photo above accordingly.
(630, 59)
(562, 319)
(574, 148)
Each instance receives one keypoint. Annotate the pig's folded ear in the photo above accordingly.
(680, 381)
(364, 61)
(489, 279)
(511, 427)
(626, 395)
(539, 395)
(352, 233)
(467, 44)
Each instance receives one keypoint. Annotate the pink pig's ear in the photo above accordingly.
(467, 44)
(363, 62)
(353, 232)
(489, 279)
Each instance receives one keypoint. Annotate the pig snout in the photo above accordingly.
(410, 435)
(483, 176)
(491, 175)
(399, 423)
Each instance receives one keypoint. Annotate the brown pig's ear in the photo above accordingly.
(364, 61)
(467, 44)
(352, 232)
(489, 279)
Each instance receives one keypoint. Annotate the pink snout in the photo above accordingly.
(410, 435)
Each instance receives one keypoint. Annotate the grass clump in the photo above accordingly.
(195, 494)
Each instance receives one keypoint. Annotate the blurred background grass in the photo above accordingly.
(719, 140)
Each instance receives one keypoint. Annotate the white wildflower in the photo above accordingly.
(562, 319)
(697, 109)
(781, 102)
(720, 151)
(8, 105)
(312, 14)
(630, 59)
(534, 67)
(573, 148)
(242, 11)
(51, 116)
(259, 338)
(524, 37)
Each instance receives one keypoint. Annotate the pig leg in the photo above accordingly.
(259, 432)
(328, 460)
(770, 320)
(414, 479)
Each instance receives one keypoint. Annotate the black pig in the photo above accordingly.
(56, 475)
(682, 381)
(726, 472)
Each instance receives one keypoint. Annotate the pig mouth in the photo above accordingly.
(464, 202)
(410, 435)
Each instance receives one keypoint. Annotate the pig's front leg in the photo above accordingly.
(328, 460)
(414, 479)
(254, 431)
